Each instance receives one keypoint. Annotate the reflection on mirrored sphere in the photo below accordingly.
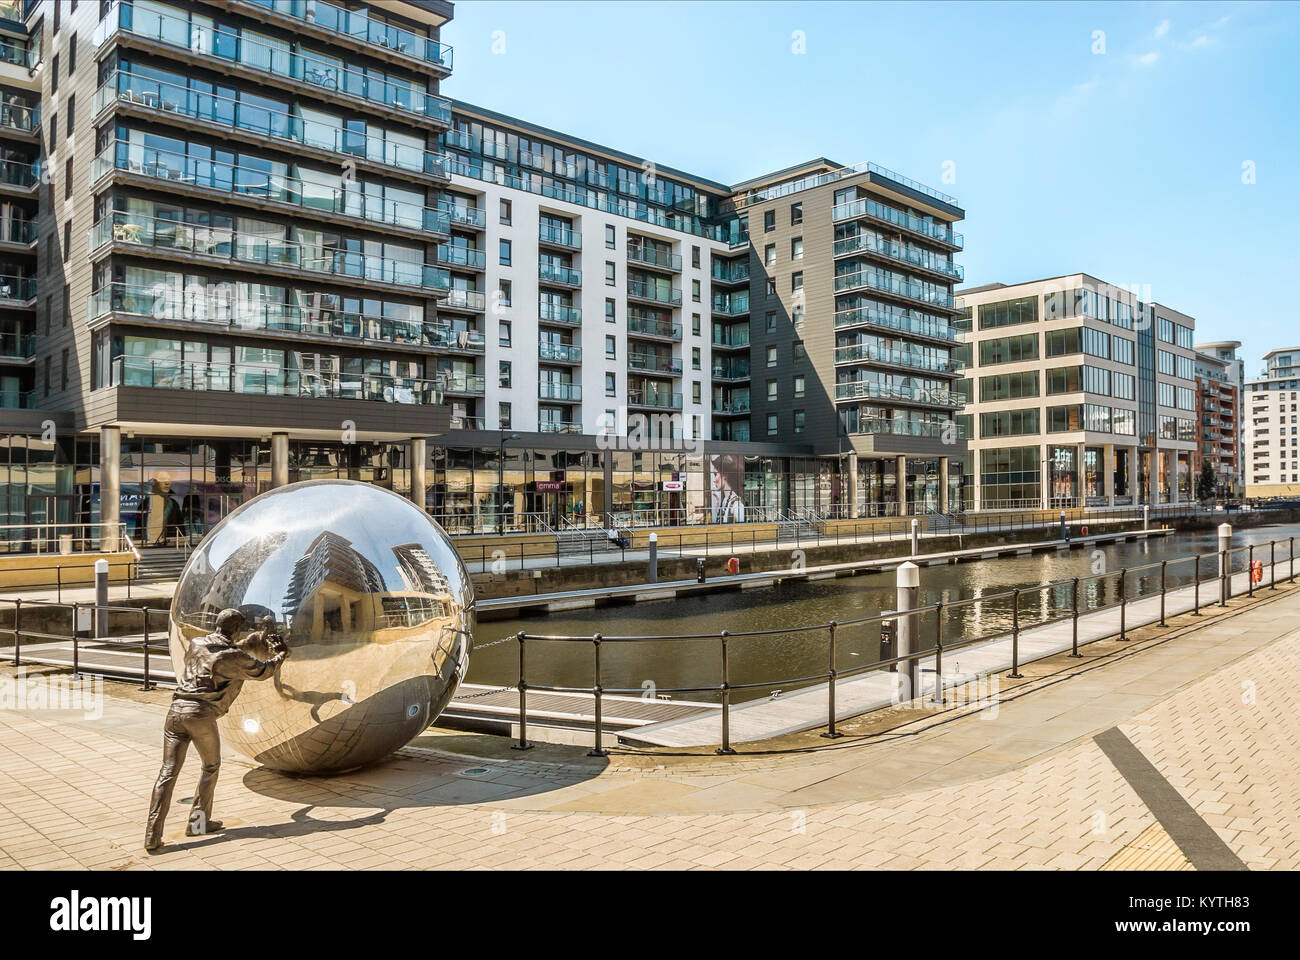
(373, 600)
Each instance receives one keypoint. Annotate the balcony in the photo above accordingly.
(162, 98)
(557, 390)
(913, 359)
(909, 428)
(458, 298)
(731, 304)
(354, 25)
(737, 369)
(18, 118)
(882, 213)
(654, 293)
(222, 307)
(559, 313)
(558, 426)
(918, 325)
(266, 60)
(557, 274)
(461, 341)
(454, 255)
(654, 399)
(459, 422)
(730, 408)
(17, 289)
(17, 231)
(648, 325)
(263, 380)
(461, 215)
(871, 390)
(653, 257)
(558, 237)
(550, 352)
(226, 247)
(731, 338)
(900, 253)
(737, 272)
(15, 173)
(312, 198)
(457, 381)
(893, 286)
(654, 363)
(19, 347)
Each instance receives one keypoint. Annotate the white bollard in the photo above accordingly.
(654, 558)
(908, 632)
(101, 598)
(1225, 563)
(1146, 516)
(916, 536)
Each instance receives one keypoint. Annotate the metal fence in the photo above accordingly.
(80, 623)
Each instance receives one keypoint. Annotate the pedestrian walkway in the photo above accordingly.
(1211, 707)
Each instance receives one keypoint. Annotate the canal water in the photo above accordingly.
(784, 657)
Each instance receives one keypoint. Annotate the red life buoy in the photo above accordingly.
(1083, 531)
(1257, 571)
(733, 565)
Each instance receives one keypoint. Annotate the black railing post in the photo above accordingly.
(598, 750)
(18, 631)
(1291, 555)
(1272, 565)
(938, 652)
(1074, 619)
(1123, 604)
(148, 682)
(1163, 565)
(1015, 673)
(725, 688)
(523, 743)
(76, 635)
(1196, 585)
(831, 733)
(1250, 570)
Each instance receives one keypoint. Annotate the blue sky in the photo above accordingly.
(1118, 154)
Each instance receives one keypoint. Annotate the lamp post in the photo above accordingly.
(501, 481)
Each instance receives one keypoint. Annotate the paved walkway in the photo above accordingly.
(1209, 708)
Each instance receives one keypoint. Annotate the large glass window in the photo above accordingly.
(1008, 312)
(1009, 349)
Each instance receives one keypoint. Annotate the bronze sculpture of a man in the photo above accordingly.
(216, 667)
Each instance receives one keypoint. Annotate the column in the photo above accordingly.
(1080, 489)
(110, 486)
(1108, 473)
(417, 453)
(854, 507)
(943, 484)
(1153, 479)
(1175, 459)
(900, 482)
(1045, 479)
(279, 459)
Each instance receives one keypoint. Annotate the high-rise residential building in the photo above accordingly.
(1273, 426)
(1218, 416)
(260, 247)
(1078, 394)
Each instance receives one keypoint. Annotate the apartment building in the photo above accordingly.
(252, 244)
(1218, 416)
(1273, 426)
(1078, 394)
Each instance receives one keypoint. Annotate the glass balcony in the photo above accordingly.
(736, 272)
(265, 380)
(558, 273)
(909, 428)
(20, 346)
(14, 230)
(559, 236)
(899, 253)
(638, 253)
(20, 118)
(558, 352)
(918, 324)
(356, 25)
(463, 215)
(654, 363)
(457, 381)
(227, 245)
(731, 369)
(220, 305)
(459, 298)
(450, 338)
(15, 173)
(643, 290)
(729, 408)
(224, 44)
(14, 287)
(556, 390)
(558, 426)
(867, 353)
(651, 326)
(13, 49)
(870, 389)
(14, 400)
(735, 337)
(237, 115)
(888, 283)
(731, 304)
(455, 255)
(657, 399)
(550, 312)
(874, 210)
(459, 422)
(306, 195)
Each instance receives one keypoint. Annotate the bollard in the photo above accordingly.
(699, 569)
(916, 536)
(831, 733)
(1146, 516)
(1225, 563)
(523, 743)
(101, 598)
(1065, 534)
(908, 581)
(653, 575)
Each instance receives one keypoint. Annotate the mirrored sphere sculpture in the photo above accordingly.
(373, 600)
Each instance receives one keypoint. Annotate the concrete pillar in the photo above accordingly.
(1108, 473)
(1174, 458)
(110, 486)
(944, 466)
(1045, 481)
(279, 459)
(900, 482)
(417, 455)
(908, 581)
(854, 506)
(1079, 488)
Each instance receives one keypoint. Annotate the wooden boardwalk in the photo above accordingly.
(808, 708)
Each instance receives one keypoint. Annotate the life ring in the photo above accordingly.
(1257, 571)
(1083, 530)
(733, 565)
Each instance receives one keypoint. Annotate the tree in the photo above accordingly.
(1206, 485)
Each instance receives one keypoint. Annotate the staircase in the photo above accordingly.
(583, 542)
(159, 564)
(799, 527)
(941, 523)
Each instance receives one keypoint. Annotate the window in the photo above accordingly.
(503, 333)
(505, 211)
(769, 216)
(609, 310)
(770, 320)
(1059, 343)
(798, 387)
(695, 324)
(67, 239)
(504, 254)
(695, 291)
(610, 238)
(503, 374)
(611, 385)
(771, 391)
(1064, 380)
(72, 51)
(695, 256)
(63, 376)
(1062, 419)
(796, 281)
(1008, 312)
(1009, 349)
(1096, 343)
(771, 356)
(54, 131)
(695, 358)
(609, 273)
(504, 290)
(798, 421)
(1009, 423)
(67, 306)
(72, 114)
(54, 66)
(611, 346)
(796, 248)
(47, 376)
(797, 351)
(696, 393)
(769, 255)
(503, 415)
(796, 214)
(796, 315)
(771, 286)
(1009, 386)
(771, 424)
(67, 179)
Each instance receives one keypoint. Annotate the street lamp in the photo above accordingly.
(501, 481)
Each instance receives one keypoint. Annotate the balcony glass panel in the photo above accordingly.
(357, 25)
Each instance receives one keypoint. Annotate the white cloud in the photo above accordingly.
(1162, 28)
(1148, 58)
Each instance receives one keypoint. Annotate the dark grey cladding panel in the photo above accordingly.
(33, 421)
(911, 446)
